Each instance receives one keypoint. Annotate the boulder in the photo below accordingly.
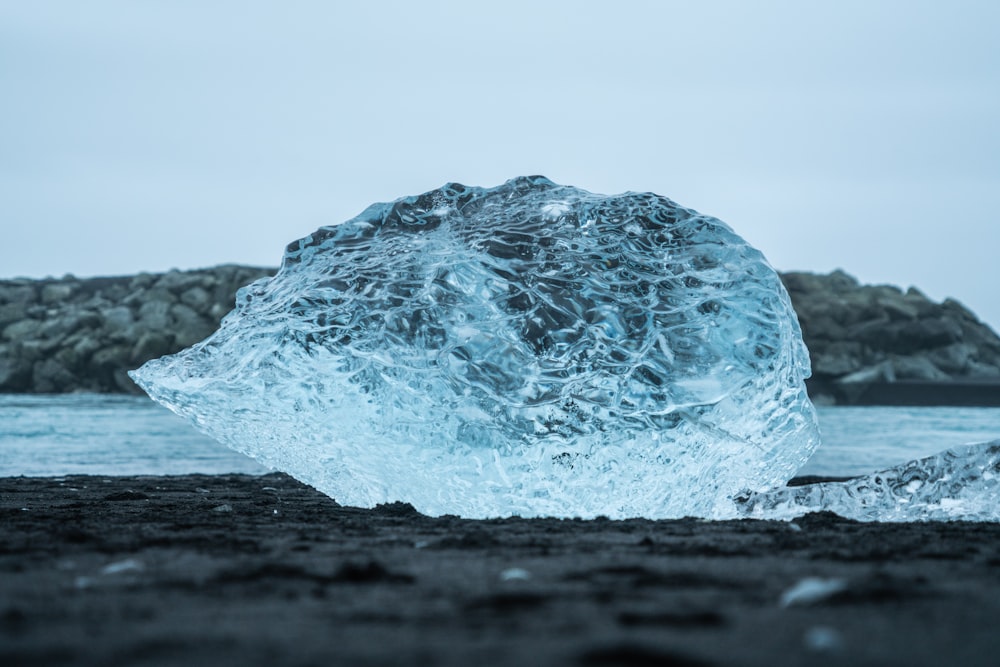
(197, 298)
(917, 368)
(26, 329)
(118, 318)
(839, 358)
(155, 316)
(50, 377)
(12, 312)
(17, 292)
(57, 293)
(151, 344)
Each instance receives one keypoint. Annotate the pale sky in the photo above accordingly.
(145, 135)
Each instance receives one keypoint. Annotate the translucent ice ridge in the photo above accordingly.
(962, 483)
(529, 349)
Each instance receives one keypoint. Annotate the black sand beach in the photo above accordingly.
(218, 570)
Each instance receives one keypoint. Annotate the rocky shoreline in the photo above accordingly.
(69, 335)
(869, 344)
(877, 345)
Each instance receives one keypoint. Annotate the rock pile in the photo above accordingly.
(63, 335)
(862, 334)
(69, 334)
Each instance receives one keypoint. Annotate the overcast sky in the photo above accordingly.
(150, 135)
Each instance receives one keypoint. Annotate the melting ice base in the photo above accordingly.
(962, 483)
(529, 349)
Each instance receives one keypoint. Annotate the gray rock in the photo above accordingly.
(22, 294)
(59, 325)
(898, 309)
(12, 312)
(141, 281)
(23, 330)
(826, 327)
(113, 293)
(123, 383)
(155, 316)
(880, 372)
(86, 346)
(116, 356)
(190, 327)
(218, 311)
(56, 293)
(135, 298)
(878, 333)
(982, 371)
(49, 376)
(917, 368)
(29, 350)
(958, 310)
(928, 333)
(67, 356)
(916, 299)
(151, 345)
(197, 298)
(158, 293)
(953, 359)
(118, 318)
(178, 282)
(839, 358)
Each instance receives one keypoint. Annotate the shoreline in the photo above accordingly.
(263, 570)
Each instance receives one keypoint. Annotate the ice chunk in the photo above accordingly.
(962, 483)
(529, 349)
(812, 590)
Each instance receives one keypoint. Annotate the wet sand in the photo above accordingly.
(243, 570)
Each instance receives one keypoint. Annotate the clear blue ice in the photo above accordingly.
(962, 483)
(530, 349)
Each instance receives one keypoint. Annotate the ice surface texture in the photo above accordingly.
(962, 483)
(529, 349)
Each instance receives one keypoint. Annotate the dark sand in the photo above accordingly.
(239, 570)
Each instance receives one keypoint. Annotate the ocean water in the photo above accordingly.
(96, 434)
(128, 435)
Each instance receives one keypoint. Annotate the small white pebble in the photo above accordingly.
(127, 565)
(515, 574)
(823, 639)
(812, 590)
